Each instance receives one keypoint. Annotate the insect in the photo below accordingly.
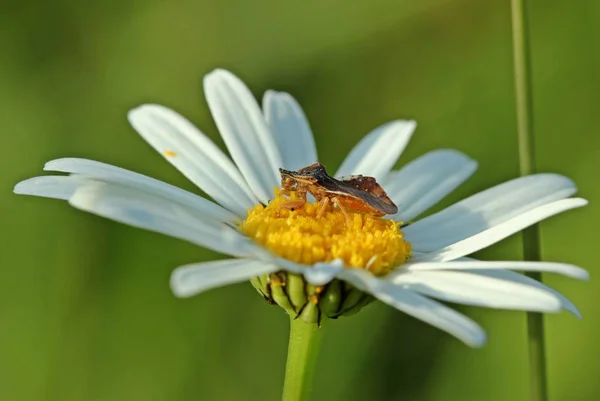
(355, 192)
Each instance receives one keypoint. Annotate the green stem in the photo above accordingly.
(531, 236)
(305, 339)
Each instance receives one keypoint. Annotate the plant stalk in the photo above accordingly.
(305, 341)
(531, 236)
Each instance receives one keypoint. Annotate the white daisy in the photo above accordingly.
(321, 266)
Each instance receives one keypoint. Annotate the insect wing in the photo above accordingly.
(368, 190)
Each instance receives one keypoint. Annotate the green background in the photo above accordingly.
(85, 308)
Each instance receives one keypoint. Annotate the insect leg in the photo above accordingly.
(324, 204)
(293, 204)
(337, 202)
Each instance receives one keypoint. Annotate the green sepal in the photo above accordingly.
(296, 290)
(258, 286)
(308, 302)
(352, 296)
(331, 299)
(364, 301)
(278, 283)
(310, 313)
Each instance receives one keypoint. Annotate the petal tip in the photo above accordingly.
(144, 106)
(55, 165)
(476, 339)
(175, 283)
(219, 73)
(405, 124)
(575, 312)
(478, 343)
(23, 187)
(219, 70)
(574, 271)
(142, 110)
(560, 180)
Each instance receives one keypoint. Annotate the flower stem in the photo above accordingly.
(305, 340)
(531, 236)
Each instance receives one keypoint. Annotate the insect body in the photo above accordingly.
(356, 192)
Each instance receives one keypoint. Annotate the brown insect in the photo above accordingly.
(356, 192)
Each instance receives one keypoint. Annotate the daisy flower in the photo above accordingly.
(316, 264)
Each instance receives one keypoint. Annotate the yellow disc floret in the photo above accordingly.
(364, 241)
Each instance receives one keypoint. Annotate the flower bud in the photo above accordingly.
(308, 302)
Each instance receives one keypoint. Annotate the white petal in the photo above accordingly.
(290, 129)
(57, 187)
(245, 131)
(509, 275)
(323, 273)
(497, 269)
(285, 264)
(427, 180)
(105, 172)
(195, 155)
(549, 267)
(492, 235)
(195, 278)
(139, 209)
(376, 153)
(418, 306)
(487, 209)
(318, 274)
(472, 289)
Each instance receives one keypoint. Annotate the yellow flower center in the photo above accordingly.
(363, 241)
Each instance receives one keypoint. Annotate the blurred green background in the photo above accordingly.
(85, 308)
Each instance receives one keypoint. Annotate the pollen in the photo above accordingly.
(361, 241)
(169, 153)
